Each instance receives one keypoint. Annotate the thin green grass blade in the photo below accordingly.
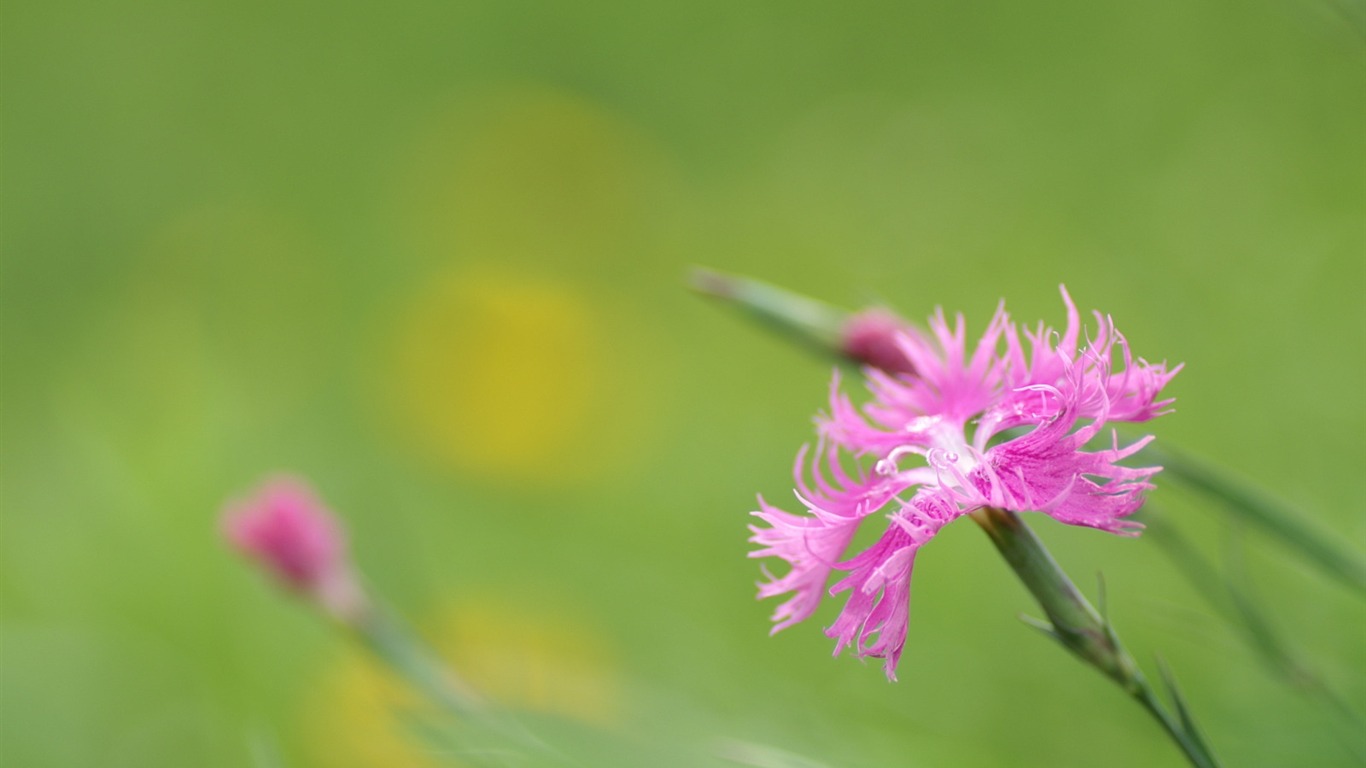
(1284, 523)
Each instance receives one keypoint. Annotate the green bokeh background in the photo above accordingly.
(432, 257)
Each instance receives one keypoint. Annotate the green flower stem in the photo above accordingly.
(487, 737)
(808, 322)
(1080, 628)
(404, 653)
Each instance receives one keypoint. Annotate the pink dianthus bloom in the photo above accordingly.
(291, 535)
(1001, 427)
(871, 337)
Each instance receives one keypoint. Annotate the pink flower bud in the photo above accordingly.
(290, 534)
(872, 337)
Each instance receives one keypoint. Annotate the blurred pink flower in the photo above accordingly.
(872, 337)
(951, 414)
(291, 535)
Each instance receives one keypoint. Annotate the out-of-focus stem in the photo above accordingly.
(497, 740)
(811, 323)
(1229, 595)
(1266, 513)
(404, 653)
(1073, 621)
(1080, 628)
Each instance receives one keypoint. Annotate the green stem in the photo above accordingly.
(1079, 627)
(389, 640)
(804, 320)
(490, 739)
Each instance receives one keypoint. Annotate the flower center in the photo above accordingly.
(948, 454)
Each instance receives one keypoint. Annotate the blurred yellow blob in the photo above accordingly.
(503, 363)
(354, 718)
(514, 376)
(519, 656)
(528, 658)
(514, 201)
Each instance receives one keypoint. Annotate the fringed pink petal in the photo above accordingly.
(879, 582)
(879, 586)
(813, 544)
(1047, 470)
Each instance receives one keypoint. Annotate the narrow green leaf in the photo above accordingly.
(1043, 626)
(1284, 523)
(1188, 725)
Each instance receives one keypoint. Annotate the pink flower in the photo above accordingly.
(950, 432)
(871, 337)
(291, 535)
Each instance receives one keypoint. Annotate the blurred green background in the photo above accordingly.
(432, 257)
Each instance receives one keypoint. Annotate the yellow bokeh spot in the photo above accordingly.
(354, 718)
(513, 371)
(513, 376)
(520, 657)
(532, 659)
